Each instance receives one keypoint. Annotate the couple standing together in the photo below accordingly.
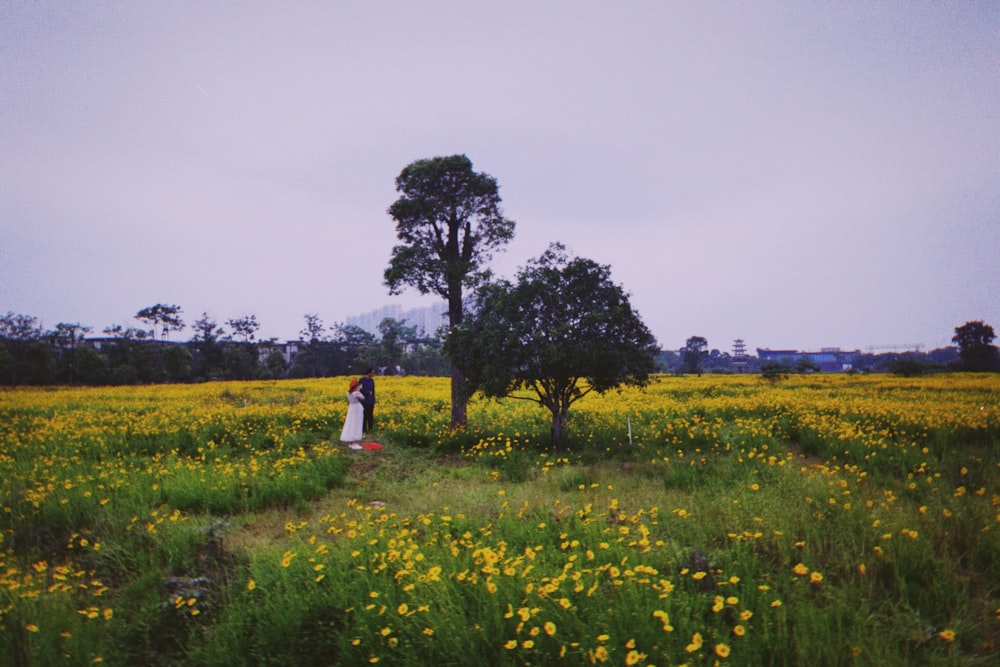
(360, 408)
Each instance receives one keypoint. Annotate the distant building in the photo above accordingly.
(428, 318)
(289, 350)
(741, 361)
(828, 359)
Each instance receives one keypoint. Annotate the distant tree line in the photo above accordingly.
(973, 351)
(67, 354)
(144, 354)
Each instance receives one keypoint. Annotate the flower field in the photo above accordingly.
(822, 520)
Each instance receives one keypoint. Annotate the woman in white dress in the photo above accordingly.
(354, 422)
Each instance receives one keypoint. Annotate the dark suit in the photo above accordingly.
(367, 386)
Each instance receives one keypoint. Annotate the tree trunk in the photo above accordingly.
(458, 412)
(558, 426)
(455, 315)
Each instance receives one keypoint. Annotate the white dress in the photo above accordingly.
(354, 423)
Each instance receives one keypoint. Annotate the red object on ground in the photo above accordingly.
(371, 446)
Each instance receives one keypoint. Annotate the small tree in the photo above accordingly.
(562, 331)
(694, 352)
(449, 220)
(774, 372)
(22, 336)
(974, 346)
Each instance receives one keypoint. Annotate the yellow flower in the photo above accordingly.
(665, 619)
(739, 630)
(696, 642)
(550, 628)
(947, 635)
(815, 578)
(511, 644)
(251, 585)
(722, 650)
(31, 627)
(633, 657)
(601, 654)
(800, 570)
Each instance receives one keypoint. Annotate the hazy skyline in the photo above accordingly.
(797, 175)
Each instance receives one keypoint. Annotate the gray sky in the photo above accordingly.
(796, 174)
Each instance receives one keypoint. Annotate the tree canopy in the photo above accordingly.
(695, 350)
(166, 317)
(974, 346)
(449, 220)
(561, 331)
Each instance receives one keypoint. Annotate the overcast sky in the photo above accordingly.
(795, 174)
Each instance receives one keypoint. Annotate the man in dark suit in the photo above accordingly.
(367, 386)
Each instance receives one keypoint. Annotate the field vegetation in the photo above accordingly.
(814, 520)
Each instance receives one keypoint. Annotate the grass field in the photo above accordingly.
(822, 520)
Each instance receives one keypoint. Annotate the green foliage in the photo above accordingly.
(177, 362)
(774, 372)
(161, 316)
(449, 220)
(910, 367)
(562, 331)
(974, 346)
(694, 352)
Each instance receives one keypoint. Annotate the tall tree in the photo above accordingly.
(314, 329)
(245, 327)
(397, 338)
(66, 337)
(167, 318)
(449, 220)
(974, 346)
(562, 331)
(209, 357)
(207, 330)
